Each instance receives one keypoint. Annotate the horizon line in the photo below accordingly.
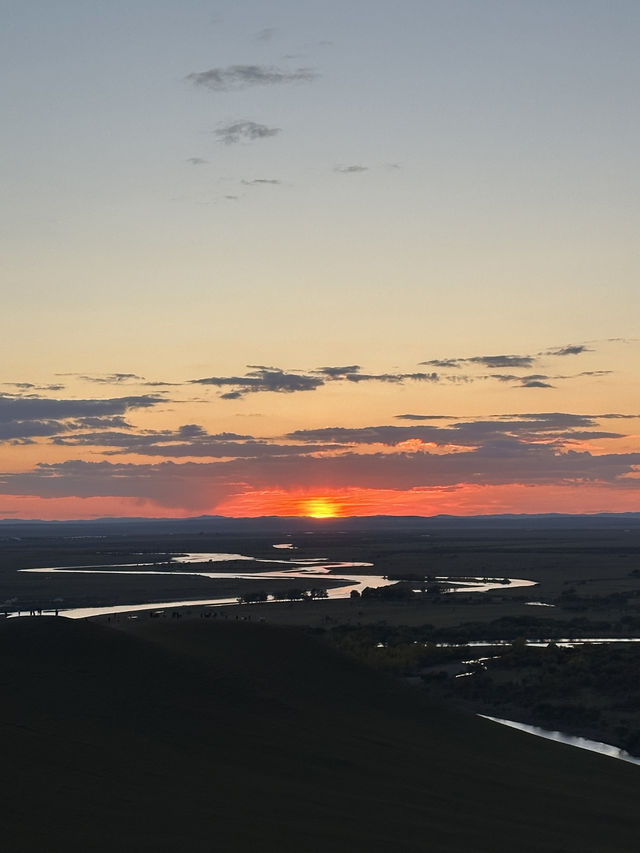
(336, 518)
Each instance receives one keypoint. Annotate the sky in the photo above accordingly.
(319, 258)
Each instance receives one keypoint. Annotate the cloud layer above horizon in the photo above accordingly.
(189, 468)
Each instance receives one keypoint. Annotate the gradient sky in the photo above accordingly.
(293, 257)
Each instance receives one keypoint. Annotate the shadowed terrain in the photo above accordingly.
(201, 735)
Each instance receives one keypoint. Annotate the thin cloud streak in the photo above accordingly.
(509, 361)
(350, 170)
(263, 379)
(261, 181)
(272, 379)
(235, 77)
(244, 131)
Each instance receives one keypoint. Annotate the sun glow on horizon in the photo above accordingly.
(320, 507)
(464, 499)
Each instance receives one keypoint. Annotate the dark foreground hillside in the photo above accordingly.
(240, 737)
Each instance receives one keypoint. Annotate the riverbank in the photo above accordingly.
(598, 747)
(589, 691)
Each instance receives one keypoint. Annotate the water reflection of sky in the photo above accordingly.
(306, 569)
(564, 642)
(569, 740)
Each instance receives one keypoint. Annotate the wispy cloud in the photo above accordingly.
(491, 361)
(556, 428)
(535, 383)
(274, 379)
(350, 170)
(190, 440)
(338, 372)
(235, 77)
(113, 378)
(542, 380)
(258, 181)
(411, 417)
(31, 388)
(531, 380)
(266, 34)
(244, 131)
(395, 378)
(509, 361)
(261, 378)
(197, 161)
(571, 349)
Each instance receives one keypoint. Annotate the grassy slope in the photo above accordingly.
(200, 736)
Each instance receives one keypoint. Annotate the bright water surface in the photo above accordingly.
(302, 569)
(564, 642)
(570, 740)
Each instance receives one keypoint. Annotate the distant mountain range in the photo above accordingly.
(296, 524)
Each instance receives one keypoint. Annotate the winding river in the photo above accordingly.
(317, 568)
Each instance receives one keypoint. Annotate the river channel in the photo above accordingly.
(317, 568)
(569, 740)
(321, 569)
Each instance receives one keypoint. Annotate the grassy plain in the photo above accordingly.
(206, 735)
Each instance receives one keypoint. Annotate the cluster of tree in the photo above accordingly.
(422, 581)
(390, 647)
(395, 592)
(590, 690)
(509, 628)
(293, 594)
(504, 629)
(403, 590)
(411, 577)
(252, 597)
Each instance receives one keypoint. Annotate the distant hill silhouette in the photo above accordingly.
(281, 525)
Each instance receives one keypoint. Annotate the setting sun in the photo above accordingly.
(319, 508)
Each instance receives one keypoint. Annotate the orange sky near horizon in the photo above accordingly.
(463, 500)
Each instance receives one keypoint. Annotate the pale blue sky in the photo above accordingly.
(514, 126)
